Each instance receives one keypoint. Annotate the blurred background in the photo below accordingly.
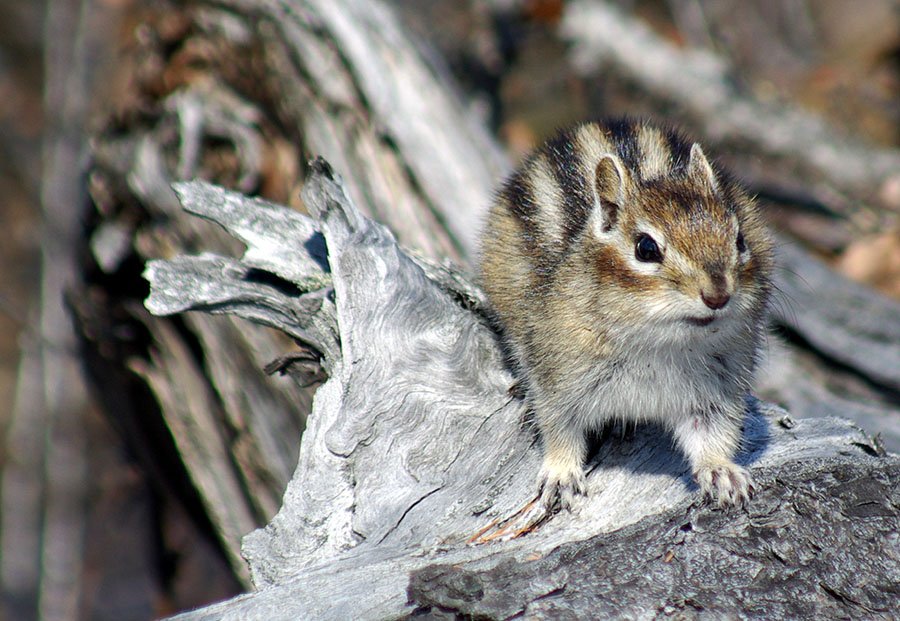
(100, 517)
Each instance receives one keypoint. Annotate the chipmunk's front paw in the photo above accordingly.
(727, 484)
(558, 488)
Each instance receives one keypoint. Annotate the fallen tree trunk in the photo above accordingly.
(416, 456)
(414, 445)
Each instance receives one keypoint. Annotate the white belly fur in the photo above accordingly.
(667, 386)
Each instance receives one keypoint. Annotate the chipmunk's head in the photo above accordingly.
(684, 245)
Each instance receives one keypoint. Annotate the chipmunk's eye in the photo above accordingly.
(741, 244)
(646, 249)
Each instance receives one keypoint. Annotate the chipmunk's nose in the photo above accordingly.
(715, 294)
(715, 300)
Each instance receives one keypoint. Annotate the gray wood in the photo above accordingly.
(358, 92)
(415, 446)
(846, 321)
(759, 564)
(346, 82)
(846, 357)
(798, 381)
(236, 430)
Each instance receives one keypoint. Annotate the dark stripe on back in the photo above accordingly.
(624, 135)
(566, 164)
(680, 150)
(517, 195)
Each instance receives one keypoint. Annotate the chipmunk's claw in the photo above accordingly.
(726, 484)
(559, 489)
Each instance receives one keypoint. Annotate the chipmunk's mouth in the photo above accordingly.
(700, 321)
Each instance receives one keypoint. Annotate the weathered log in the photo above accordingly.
(846, 357)
(356, 90)
(416, 454)
(334, 78)
(339, 76)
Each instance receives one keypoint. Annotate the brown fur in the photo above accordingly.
(577, 304)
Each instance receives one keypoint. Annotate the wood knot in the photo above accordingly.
(320, 166)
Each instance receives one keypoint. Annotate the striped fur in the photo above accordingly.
(579, 309)
(551, 195)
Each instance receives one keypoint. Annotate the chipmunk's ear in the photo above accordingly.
(609, 184)
(699, 169)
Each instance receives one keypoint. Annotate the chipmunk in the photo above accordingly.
(630, 279)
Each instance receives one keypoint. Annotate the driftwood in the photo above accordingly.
(415, 444)
(416, 453)
(849, 327)
(347, 84)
